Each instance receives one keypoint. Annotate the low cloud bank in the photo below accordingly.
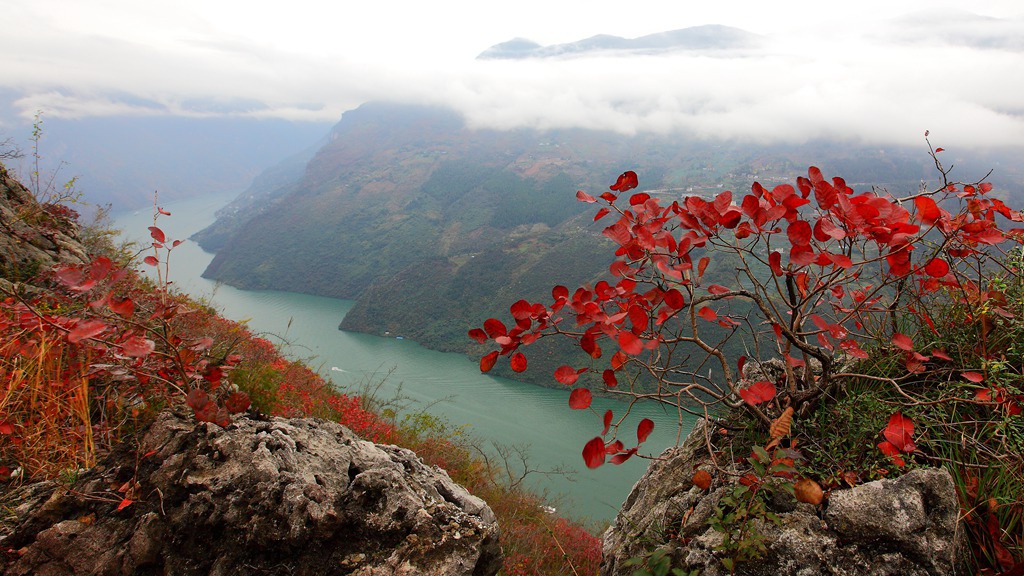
(886, 85)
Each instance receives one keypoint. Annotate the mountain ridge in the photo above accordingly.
(432, 226)
(694, 38)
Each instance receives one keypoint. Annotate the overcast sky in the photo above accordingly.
(871, 71)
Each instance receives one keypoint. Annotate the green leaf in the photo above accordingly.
(757, 465)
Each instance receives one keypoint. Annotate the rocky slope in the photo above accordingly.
(274, 496)
(33, 237)
(259, 496)
(905, 526)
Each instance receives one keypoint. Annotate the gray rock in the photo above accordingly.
(274, 496)
(31, 238)
(905, 526)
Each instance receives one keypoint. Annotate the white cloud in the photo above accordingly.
(845, 75)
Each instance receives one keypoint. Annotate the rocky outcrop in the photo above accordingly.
(905, 526)
(32, 237)
(274, 496)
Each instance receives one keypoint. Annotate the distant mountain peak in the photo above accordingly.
(694, 38)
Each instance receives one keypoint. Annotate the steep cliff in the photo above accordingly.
(33, 237)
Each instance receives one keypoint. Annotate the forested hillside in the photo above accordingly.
(427, 223)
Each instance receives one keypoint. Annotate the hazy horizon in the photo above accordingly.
(876, 73)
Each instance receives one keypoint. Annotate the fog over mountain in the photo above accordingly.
(872, 72)
(702, 38)
(123, 160)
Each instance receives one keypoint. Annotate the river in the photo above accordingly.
(451, 385)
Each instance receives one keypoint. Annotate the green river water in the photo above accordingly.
(494, 409)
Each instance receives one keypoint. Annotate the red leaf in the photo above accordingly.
(162, 211)
(799, 233)
(702, 265)
(903, 342)
(237, 402)
(593, 453)
(639, 198)
(580, 398)
(758, 392)
(937, 268)
(85, 329)
(566, 375)
(626, 181)
(122, 307)
(137, 347)
(6, 427)
(609, 378)
(124, 504)
(69, 275)
(601, 214)
(973, 376)
(802, 255)
(620, 458)
(899, 432)
(643, 430)
(197, 399)
(478, 335)
(841, 260)
(521, 310)
(990, 236)
(891, 451)
(620, 233)
(927, 210)
(495, 327)
(708, 314)
(151, 260)
(630, 343)
(852, 348)
(487, 362)
(157, 234)
(638, 317)
(608, 415)
(674, 299)
(518, 362)
(99, 268)
(775, 262)
(829, 228)
(619, 360)
(717, 289)
(584, 197)
(559, 292)
(941, 354)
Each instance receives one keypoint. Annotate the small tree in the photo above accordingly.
(815, 276)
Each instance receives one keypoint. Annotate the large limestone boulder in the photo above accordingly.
(274, 496)
(905, 526)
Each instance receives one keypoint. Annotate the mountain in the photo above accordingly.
(709, 37)
(122, 160)
(432, 227)
(266, 190)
